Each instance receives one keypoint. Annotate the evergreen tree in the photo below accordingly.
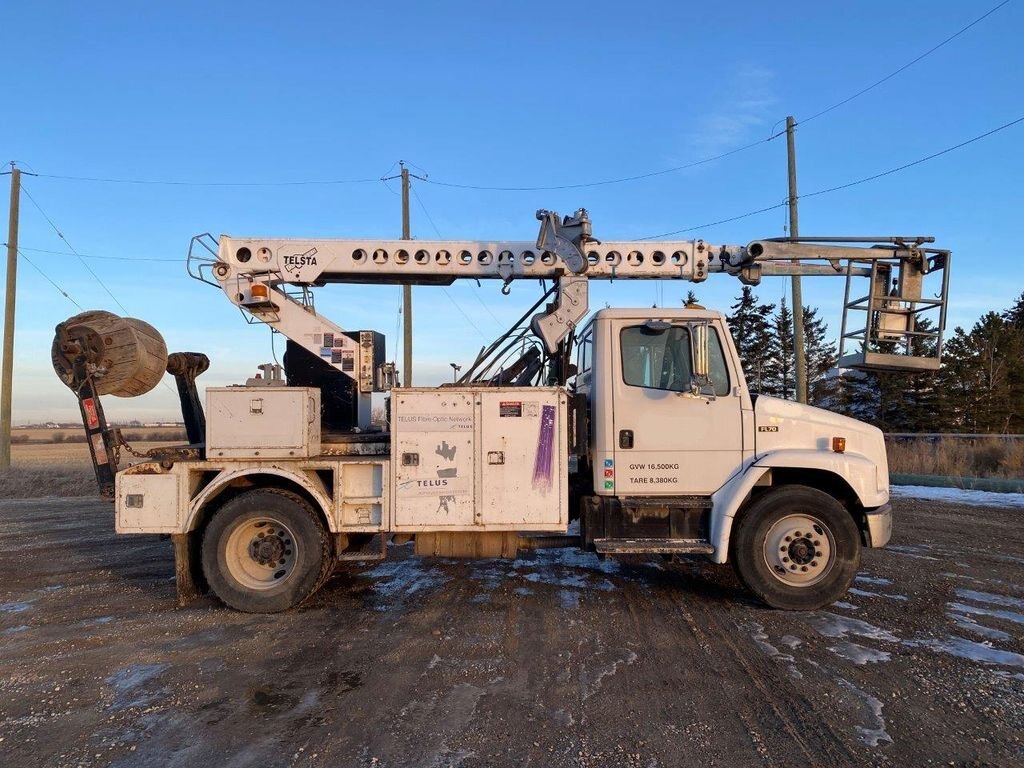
(782, 371)
(750, 324)
(1015, 315)
(691, 298)
(822, 381)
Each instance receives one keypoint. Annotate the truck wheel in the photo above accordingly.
(266, 551)
(796, 548)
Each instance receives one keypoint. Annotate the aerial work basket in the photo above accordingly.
(898, 325)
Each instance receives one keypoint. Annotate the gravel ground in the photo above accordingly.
(559, 659)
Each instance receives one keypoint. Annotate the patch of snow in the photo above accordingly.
(966, 622)
(858, 654)
(864, 593)
(875, 735)
(959, 496)
(568, 599)
(761, 638)
(789, 641)
(848, 606)
(834, 625)
(974, 610)
(872, 579)
(910, 551)
(15, 607)
(15, 630)
(988, 597)
(963, 648)
(404, 577)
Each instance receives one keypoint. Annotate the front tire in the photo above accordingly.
(266, 551)
(796, 548)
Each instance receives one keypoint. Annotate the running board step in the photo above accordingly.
(658, 546)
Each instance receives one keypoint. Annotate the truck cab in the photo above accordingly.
(681, 458)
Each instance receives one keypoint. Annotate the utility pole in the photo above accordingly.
(799, 350)
(406, 289)
(7, 374)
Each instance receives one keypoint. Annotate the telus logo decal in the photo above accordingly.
(297, 261)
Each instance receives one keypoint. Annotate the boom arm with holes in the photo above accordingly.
(270, 280)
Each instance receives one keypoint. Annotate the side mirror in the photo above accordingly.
(700, 355)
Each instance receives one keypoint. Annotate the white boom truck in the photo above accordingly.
(637, 423)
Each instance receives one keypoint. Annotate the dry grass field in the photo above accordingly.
(46, 465)
(955, 457)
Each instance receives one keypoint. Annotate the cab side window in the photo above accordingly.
(584, 358)
(719, 370)
(656, 358)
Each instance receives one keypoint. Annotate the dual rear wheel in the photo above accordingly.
(266, 551)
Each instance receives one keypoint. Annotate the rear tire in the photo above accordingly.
(796, 548)
(266, 551)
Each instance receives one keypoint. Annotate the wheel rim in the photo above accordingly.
(799, 550)
(261, 553)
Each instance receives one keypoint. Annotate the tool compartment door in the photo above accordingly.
(432, 453)
(522, 459)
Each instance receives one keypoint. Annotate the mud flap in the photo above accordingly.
(188, 578)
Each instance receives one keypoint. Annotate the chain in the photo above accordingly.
(120, 442)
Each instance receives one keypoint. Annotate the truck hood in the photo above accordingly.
(784, 424)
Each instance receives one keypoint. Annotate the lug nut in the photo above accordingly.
(803, 567)
(818, 554)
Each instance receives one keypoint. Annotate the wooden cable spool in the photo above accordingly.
(127, 356)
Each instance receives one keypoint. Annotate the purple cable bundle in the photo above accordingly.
(545, 447)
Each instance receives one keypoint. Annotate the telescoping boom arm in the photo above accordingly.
(270, 278)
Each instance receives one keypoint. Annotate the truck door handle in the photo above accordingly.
(625, 438)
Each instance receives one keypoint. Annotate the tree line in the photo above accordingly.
(978, 388)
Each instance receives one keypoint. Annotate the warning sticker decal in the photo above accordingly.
(510, 408)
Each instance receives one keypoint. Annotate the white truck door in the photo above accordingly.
(667, 440)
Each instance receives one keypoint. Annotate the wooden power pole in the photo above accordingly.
(7, 374)
(799, 350)
(406, 289)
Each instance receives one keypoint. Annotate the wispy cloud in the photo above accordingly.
(740, 114)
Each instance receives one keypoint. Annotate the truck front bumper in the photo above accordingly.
(879, 526)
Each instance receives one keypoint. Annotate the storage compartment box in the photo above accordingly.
(474, 459)
(262, 422)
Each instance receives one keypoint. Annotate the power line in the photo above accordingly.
(906, 66)
(172, 183)
(438, 233)
(605, 182)
(911, 164)
(63, 293)
(847, 185)
(94, 256)
(72, 248)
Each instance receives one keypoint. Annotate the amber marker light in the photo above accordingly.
(839, 444)
(261, 292)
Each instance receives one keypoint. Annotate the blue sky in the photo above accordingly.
(504, 94)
